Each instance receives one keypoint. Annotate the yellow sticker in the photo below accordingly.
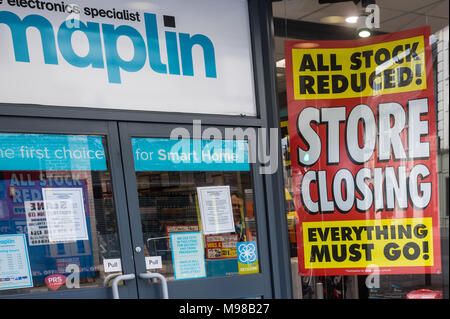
(390, 67)
(359, 243)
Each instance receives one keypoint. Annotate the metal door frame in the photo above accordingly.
(238, 286)
(108, 129)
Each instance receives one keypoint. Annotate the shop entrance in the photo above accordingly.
(106, 209)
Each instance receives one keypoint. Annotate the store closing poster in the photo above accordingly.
(363, 148)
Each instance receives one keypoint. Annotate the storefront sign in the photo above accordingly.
(159, 154)
(15, 269)
(363, 148)
(216, 209)
(169, 56)
(28, 152)
(188, 255)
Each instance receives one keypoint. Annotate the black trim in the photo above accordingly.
(262, 27)
(306, 30)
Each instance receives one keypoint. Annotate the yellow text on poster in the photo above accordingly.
(382, 68)
(360, 243)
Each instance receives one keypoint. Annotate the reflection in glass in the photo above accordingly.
(84, 209)
(169, 204)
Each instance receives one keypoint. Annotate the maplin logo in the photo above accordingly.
(111, 34)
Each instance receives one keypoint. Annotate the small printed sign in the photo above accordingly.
(153, 262)
(112, 265)
(54, 282)
(15, 269)
(188, 255)
(66, 218)
(36, 223)
(221, 246)
(247, 257)
(216, 209)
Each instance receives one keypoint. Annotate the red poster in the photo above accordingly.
(363, 149)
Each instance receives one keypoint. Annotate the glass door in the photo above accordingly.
(197, 215)
(101, 209)
(64, 230)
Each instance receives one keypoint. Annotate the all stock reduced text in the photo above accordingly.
(390, 67)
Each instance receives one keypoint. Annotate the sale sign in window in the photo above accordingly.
(363, 152)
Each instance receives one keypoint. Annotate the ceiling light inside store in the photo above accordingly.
(352, 19)
(332, 19)
(362, 29)
(281, 63)
(364, 33)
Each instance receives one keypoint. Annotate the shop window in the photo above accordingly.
(300, 20)
(57, 218)
(190, 209)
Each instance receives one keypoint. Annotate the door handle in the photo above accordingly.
(151, 275)
(115, 284)
(109, 278)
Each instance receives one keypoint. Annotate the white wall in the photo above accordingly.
(442, 87)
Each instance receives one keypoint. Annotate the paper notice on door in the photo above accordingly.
(188, 256)
(215, 209)
(66, 219)
(36, 223)
(15, 269)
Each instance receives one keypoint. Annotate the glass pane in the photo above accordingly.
(329, 26)
(197, 216)
(57, 218)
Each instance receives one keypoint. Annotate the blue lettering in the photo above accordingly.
(92, 32)
(176, 45)
(172, 52)
(154, 55)
(113, 60)
(186, 44)
(19, 36)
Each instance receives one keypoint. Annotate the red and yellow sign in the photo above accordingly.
(363, 154)
(221, 246)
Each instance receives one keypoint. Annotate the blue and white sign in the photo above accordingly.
(247, 253)
(15, 269)
(159, 154)
(30, 152)
(188, 255)
(159, 55)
